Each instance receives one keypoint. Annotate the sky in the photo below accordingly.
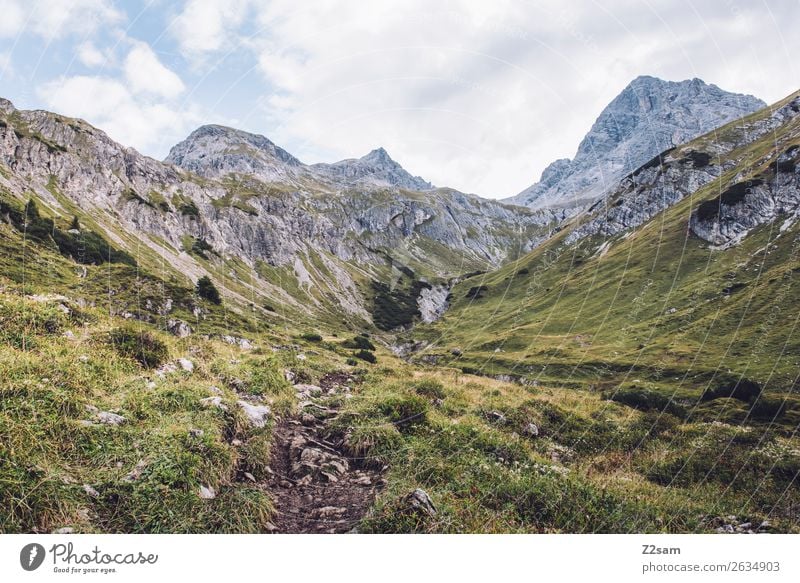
(475, 95)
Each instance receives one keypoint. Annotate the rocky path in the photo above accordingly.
(315, 485)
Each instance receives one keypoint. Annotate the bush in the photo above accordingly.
(736, 388)
(768, 408)
(311, 337)
(359, 342)
(351, 362)
(646, 400)
(404, 411)
(207, 290)
(477, 292)
(366, 355)
(430, 388)
(200, 246)
(140, 345)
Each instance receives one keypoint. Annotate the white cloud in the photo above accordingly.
(12, 19)
(204, 26)
(146, 74)
(110, 105)
(90, 56)
(483, 95)
(56, 18)
(476, 95)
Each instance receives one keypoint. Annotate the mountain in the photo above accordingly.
(648, 117)
(630, 369)
(376, 168)
(321, 242)
(213, 151)
(675, 286)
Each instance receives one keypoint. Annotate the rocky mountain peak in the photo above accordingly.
(216, 150)
(649, 116)
(6, 106)
(377, 155)
(376, 168)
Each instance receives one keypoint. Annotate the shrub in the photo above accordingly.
(189, 209)
(359, 342)
(477, 292)
(207, 290)
(311, 337)
(140, 345)
(734, 387)
(768, 408)
(430, 388)
(351, 362)
(646, 400)
(404, 411)
(200, 246)
(366, 355)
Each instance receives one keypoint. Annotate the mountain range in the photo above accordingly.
(232, 340)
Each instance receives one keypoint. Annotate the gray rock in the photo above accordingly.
(496, 417)
(90, 491)
(256, 414)
(186, 364)
(136, 472)
(207, 493)
(419, 501)
(433, 302)
(109, 418)
(214, 401)
(305, 391)
(531, 430)
(178, 328)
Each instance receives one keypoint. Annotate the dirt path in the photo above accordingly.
(315, 486)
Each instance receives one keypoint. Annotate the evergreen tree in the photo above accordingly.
(206, 289)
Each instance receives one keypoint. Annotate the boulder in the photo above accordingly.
(110, 418)
(418, 501)
(531, 430)
(256, 414)
(178, 328)
(186, 364)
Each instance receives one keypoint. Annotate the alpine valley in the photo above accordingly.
(233, 340)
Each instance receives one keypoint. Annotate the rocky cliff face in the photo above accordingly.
(648, 117)
(751, 165)
(233, 196)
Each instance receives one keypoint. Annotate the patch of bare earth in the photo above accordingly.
(315, 485)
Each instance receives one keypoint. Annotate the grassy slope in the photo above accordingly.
(435, 429)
